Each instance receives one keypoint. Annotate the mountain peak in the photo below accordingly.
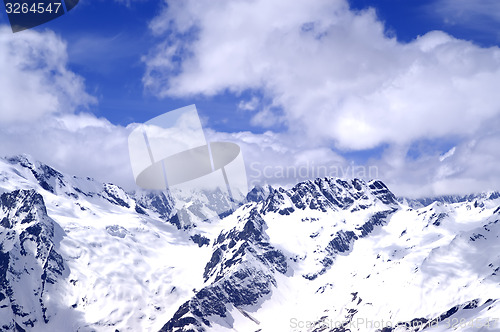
(345, 245)
(329, 194)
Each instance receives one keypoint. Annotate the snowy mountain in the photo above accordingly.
(325, 255)
(422, 202)
(115, 260)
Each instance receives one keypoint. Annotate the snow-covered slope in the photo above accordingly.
(326, 255)
(335, 255)
(81, 255)
(449, 199)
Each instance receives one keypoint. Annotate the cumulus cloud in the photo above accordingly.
(334, 72)
(284, 160)
(80, 145)
(88, 146)
(35, 79)
(331, 75)
(40, 111)
(472, 168)
(249, 105)
(335, 78)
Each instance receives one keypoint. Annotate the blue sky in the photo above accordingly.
(263, 80)
(106, 40)
(411, 18)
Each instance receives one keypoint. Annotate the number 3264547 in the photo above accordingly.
(34, 8)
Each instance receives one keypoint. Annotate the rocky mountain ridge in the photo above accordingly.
(326, 255)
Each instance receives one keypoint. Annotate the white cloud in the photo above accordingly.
(280, 159)
(39, 96)
(88, 146)
(249, 105)
(448, 154)
(333, 72)
(330, 74)
(334, 77)
(469, 167)
(75, 144)
(35, 80)
(464, 11)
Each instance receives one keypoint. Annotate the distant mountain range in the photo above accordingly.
(326, 255)
(448, 199)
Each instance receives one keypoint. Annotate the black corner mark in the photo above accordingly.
(70, 4)
(27, 14)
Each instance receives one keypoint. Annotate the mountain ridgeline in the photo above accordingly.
(326, 255)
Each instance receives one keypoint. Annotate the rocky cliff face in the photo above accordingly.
(29, 261)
